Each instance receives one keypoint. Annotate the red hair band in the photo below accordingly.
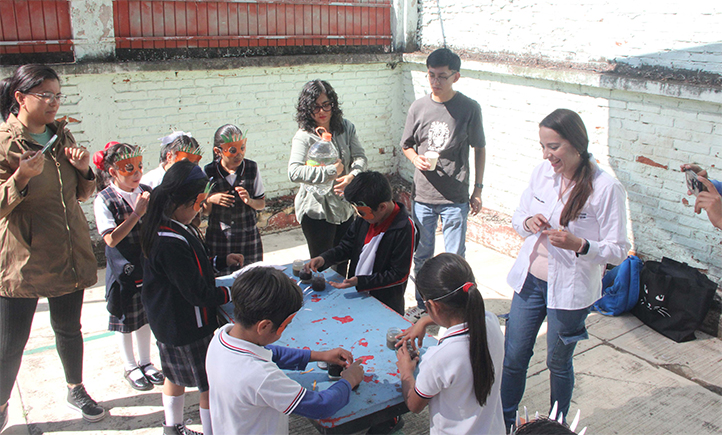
(465, 286)
(99, 156)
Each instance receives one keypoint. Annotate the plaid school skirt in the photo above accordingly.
(186, 365)
(133, 320)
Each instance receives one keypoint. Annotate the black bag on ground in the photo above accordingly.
(673, 298)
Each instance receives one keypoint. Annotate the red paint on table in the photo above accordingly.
(363, 342)
(315, 299)
(393, 374)
(319, 320)
(364, 359)
(344, 319)
(370, 378)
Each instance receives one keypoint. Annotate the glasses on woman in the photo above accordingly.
(326, 107)
(49, 97)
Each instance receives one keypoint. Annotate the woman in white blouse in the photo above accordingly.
(573, 219)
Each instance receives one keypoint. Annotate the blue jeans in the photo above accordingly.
(453, 225)
(564, 329)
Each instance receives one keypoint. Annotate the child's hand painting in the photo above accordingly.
(404, 362)
(337, 356)
(354, 374)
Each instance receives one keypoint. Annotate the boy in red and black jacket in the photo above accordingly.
(380, 245)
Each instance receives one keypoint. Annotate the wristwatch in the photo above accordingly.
(479, 185)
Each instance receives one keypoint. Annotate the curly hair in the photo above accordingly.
(307, 102)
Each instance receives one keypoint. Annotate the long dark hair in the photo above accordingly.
(24, 79)
(110, 155)
(569, 125)
(445, 276)
(307, 102)
(181, 185)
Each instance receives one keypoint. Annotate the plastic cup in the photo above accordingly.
(433, 158)
(391, 337)
(297, 267)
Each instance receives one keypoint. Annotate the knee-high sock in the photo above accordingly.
(173, 409)
(125, 345)
(206, 421)
(142, 339)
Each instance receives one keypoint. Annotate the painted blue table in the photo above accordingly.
(357, 322)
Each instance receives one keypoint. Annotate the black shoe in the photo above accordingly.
(389, 426)
(179, 429)
(79, 400)
(154, 375)
(4, 418)
(140, 384)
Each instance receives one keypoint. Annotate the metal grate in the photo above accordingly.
(159, 24)
(40, 26)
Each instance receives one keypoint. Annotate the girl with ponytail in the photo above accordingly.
(460, 378)
(121, 203)
(179, 290)
(573, 219)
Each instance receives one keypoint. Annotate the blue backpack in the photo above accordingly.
(620, 288)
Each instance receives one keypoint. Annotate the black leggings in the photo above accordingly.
(16, 318)
(322, 235)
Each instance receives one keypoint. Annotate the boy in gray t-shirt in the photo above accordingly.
(448, 123)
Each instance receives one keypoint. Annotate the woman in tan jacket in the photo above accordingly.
(45, 248)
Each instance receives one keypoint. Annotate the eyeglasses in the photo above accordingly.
(362, 210)
(440, 79)
(49, 97)
(327, 106)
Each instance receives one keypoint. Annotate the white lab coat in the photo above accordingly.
(574, 282)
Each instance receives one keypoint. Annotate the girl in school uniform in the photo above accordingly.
(236, 195)
(179, 291)
(119, 206)
(460, 378)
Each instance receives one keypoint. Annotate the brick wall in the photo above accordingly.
(640, 32)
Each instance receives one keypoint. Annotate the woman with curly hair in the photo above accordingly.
(324, 219)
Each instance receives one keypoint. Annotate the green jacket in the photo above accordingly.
(45, 247)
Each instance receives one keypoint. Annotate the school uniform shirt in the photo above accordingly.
(179, 287)
(380, 256)
(153, 178)
(574, 281)
(445, 377)
(233, 230)
(124, 271)
(250, 394)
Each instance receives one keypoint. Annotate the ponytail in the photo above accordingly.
(181, 185)
(23, 80)
(569, 125)
(449, 280)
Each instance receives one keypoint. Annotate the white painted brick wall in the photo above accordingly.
(667, 33)
(140, 107)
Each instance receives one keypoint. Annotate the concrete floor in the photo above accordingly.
(629, 379)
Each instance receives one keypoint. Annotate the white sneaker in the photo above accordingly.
(414, 314)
